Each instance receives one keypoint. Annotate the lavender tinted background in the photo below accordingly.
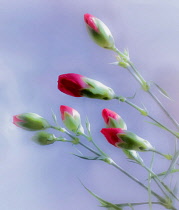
(41, 39)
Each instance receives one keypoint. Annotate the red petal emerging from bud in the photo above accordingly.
(16, 120)
(89, 19)
(68, 109)
(111, 135)
(71, 84)
(106, 113)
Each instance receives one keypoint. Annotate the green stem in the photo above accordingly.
(163, 108)
(90, 149)
(73, 137)
(162, 183)
(113, 164)
(137, 181)
(136, 74)
(143, 112)
(91, 140)
(172, 132)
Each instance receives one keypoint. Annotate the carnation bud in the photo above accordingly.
(99, 32)
(71, 119)
(113, 120)
(125, 139)
(78, 86)
(44, 138)
(30, 121)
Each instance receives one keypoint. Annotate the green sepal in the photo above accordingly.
(33, 122)
(44, 138)
(131, 141)
(97, 90)
(103, 36)
(73, 123)
(113, 123)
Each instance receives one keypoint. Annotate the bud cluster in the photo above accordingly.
(116, 133)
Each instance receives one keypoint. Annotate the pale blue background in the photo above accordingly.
(40, 39)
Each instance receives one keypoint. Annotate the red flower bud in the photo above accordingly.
(30, 121)
(71, 119)
(111, 135)
(89, 19)
(125, 139)
(77, 85)
(71, 84)
(99, 32)
(113, 120)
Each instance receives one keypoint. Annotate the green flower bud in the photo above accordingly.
(30, 121)
(44, 138)
(125, 139)
(71, 119)
(99, 32)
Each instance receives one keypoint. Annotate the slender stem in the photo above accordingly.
(137, 181)
(162, 183)
(142, 82)
(116, 166)
(160, 188)
(73, 137)
(91, 140)
(163, 108)
(134, 75)
(172, 132)
(146, 114)
(96, 153)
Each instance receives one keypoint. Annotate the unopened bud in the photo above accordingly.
(71, 119)
(99, 32)
(44, 138)
(125, 139)
(30, 121)
(113, 120)
(78, 86)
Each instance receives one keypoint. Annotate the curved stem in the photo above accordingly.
(163, 108)
(172, 132)
(162, 200)
(137, 181)
(136, 74)
(143, 112)
(90, 149)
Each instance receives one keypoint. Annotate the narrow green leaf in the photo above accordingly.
(54, 117)
(132, 97)
(156, 124)
(106, 204)
(87, 158)
(162, 91)
(163, 173)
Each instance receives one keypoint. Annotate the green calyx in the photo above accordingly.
(133, 142)
(97, 90)
(44, 138)
(103, 36)
(73, 123)
(113, 123)
(32, 122)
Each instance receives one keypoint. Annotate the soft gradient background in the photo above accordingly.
(40, 39)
